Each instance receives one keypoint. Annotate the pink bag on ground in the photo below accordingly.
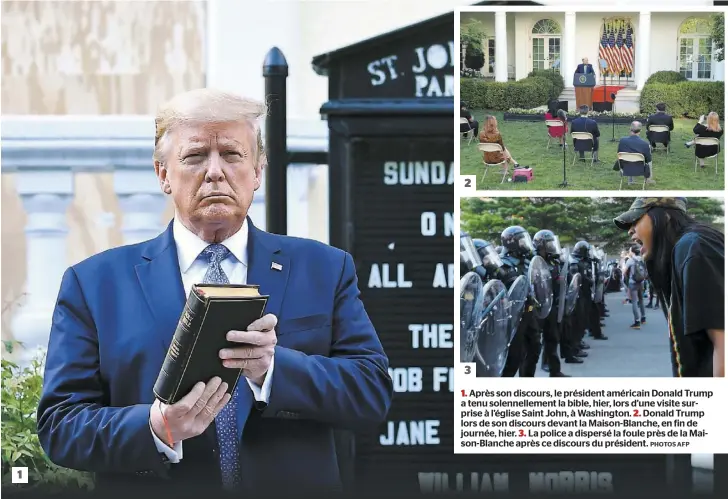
(523, 174)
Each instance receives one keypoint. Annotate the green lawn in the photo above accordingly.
(527, 143)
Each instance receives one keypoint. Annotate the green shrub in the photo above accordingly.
(690, 98)
(21, 390)
(500, 96)
(665, 77)
(554, 76)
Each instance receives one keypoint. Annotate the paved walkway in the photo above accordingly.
(627, 352)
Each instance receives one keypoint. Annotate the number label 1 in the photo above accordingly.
(20, 474)
(467, 183)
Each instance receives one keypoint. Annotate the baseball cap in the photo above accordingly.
(640, 206)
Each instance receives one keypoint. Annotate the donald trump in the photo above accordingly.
(311, 363)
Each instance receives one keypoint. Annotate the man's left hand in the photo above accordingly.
(255, 353)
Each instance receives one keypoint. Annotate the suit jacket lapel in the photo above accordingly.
(161, 282)
(268, 268)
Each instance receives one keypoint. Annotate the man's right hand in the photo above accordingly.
(192, 414)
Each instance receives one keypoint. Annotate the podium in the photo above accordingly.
(583, 87)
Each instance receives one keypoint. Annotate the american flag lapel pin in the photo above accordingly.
(276, 266)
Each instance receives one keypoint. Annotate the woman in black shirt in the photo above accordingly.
(684, 260)
(706, 127)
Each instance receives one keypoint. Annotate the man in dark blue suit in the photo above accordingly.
(585, 67)
(313, 362)
(634, 143)
(585, 124)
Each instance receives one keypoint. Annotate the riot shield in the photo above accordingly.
(468, 254)
(517, 296)
(572, 294)
(594, 281)
(542, 293)
(493, 336)
(471, 308)
(599, 290)
(564, 278)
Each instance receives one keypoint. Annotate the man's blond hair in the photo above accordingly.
(203, 106)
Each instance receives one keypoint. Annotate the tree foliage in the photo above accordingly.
(717, 33)
(572, 219)
(472, 34)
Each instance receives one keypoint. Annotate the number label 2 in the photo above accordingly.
(467, 183)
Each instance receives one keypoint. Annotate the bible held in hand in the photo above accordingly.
(194, 353)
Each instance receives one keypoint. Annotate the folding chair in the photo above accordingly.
(631, 164)
(553, 124)
(659, 134)
(489, 147)
(584, 142)
(707, 141)
(470, 134)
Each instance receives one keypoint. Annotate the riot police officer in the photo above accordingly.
(595, 312)
(480, 257)
(469, 259)
(491, 260)
(580, 263)
(517, 253)
(548, 247)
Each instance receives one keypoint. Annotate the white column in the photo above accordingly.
(568, 49)
(142, 204)
(46, 195)
(643, 48)
(501, 47)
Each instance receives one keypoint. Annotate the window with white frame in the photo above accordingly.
(545, 44)
(695, 49)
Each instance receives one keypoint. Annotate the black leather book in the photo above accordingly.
(194, 353)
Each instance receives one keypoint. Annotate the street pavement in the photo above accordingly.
(627, 352)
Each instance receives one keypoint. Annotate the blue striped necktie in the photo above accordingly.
(226, 421)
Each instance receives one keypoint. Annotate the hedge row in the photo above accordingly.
(665, 77)
(535, 90)
(690, 98)
(556, 79)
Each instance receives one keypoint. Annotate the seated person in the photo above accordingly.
(584, 124)
(472, 123)
(706, 127)
(554, 131)
(659, 118)
(491, 135)
(634, 143)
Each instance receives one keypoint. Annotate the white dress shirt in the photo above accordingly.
(193, 270)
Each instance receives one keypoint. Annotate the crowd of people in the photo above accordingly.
(557, 336)
(675, 260)
(708, 125)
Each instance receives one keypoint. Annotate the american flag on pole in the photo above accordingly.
(612, 51)
(603, 49)
(620, 51)
(629, 51)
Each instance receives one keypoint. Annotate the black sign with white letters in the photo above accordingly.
(402, 64)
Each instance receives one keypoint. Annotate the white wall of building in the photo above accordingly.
(663, 40)
(301, 30)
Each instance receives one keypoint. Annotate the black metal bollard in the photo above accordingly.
(275, 72)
